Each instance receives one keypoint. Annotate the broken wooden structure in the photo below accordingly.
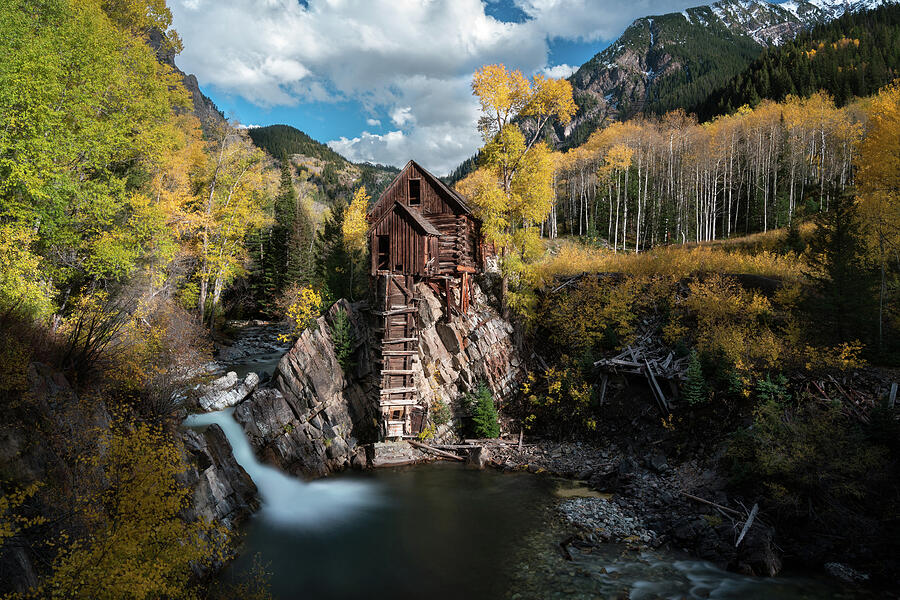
(648, 358)
(420, 231)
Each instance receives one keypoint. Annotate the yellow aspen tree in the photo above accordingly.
(878, 183)
(354, 229)
(513, 187)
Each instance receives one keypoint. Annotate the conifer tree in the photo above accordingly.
(844, 280)
(332, 260)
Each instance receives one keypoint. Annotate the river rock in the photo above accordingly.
(845, 573)
(478, 458)
(395, 454)
(225, 391)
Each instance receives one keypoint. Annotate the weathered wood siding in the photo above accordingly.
(407, 245)
(458, 242)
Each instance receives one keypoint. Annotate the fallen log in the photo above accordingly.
(704, 501)
(434, 450)
(747, 525)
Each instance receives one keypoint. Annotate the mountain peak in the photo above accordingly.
(663, 62)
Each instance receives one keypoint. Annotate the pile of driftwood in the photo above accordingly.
(858, 395)
(647, 357)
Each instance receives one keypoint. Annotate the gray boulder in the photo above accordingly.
(226, 391)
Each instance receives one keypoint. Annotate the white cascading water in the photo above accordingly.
(288, 501)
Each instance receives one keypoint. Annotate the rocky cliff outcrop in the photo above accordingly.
(316, 417)
(223, 492)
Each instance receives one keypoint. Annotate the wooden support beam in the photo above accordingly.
(399, 352)
(395, 311)
(401, 340)
(397, 371)
(435, 451)
(465, 269)
(401, 390)
(398, 402)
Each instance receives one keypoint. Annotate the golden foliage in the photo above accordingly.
(302, 312)
(141, 546)
(23, 287)
(12, 521)
(355, 225)
(676, 261)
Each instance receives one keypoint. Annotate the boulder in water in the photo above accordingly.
(226, 391)
(478, 458)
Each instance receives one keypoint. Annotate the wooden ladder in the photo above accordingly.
(397, 306)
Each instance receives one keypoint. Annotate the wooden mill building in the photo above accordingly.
(421, 231)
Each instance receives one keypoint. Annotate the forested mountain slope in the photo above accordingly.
(852, 56)
(676, 60)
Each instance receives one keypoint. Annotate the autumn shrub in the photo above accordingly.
(601, 312)
(91, 326)
(137, 542)
(159, 353)
(440, 413)
(301, 306)
(675, 261)
(559, 400)
(806, 457)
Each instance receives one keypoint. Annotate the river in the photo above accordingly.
(439, 531)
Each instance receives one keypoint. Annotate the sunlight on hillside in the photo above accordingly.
(731, 256)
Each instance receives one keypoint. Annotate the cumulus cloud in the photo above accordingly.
(402, 115)
(406, 59)
(559, 71)
(591, 20)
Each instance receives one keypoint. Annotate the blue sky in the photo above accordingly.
(385, 80)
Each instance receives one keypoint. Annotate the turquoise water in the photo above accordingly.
(440, 531)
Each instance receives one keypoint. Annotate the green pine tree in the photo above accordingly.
(845, 302)
(694, 388)
(485, 419)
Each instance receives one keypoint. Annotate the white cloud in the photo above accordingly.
(559, 71)
(408, 59)
(590, 20)
(400, 116)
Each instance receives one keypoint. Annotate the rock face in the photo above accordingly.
(315, 418)
(456, 354)
(226, 391)
(222, 489)
(311, 420)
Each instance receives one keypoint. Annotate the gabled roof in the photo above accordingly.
(452, 196)
(451, 193)
(414, 215)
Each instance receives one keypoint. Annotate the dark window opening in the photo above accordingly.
(415, 192)
(384, 252)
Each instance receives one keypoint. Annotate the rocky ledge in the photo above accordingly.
(649, 505)
(223, 492)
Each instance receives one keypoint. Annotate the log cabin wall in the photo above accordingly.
(458, 244)
(406, 245)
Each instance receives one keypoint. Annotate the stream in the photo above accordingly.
(440, 531)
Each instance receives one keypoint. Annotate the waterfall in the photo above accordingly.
(287, 501)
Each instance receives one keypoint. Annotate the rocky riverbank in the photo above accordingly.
(649, 505)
